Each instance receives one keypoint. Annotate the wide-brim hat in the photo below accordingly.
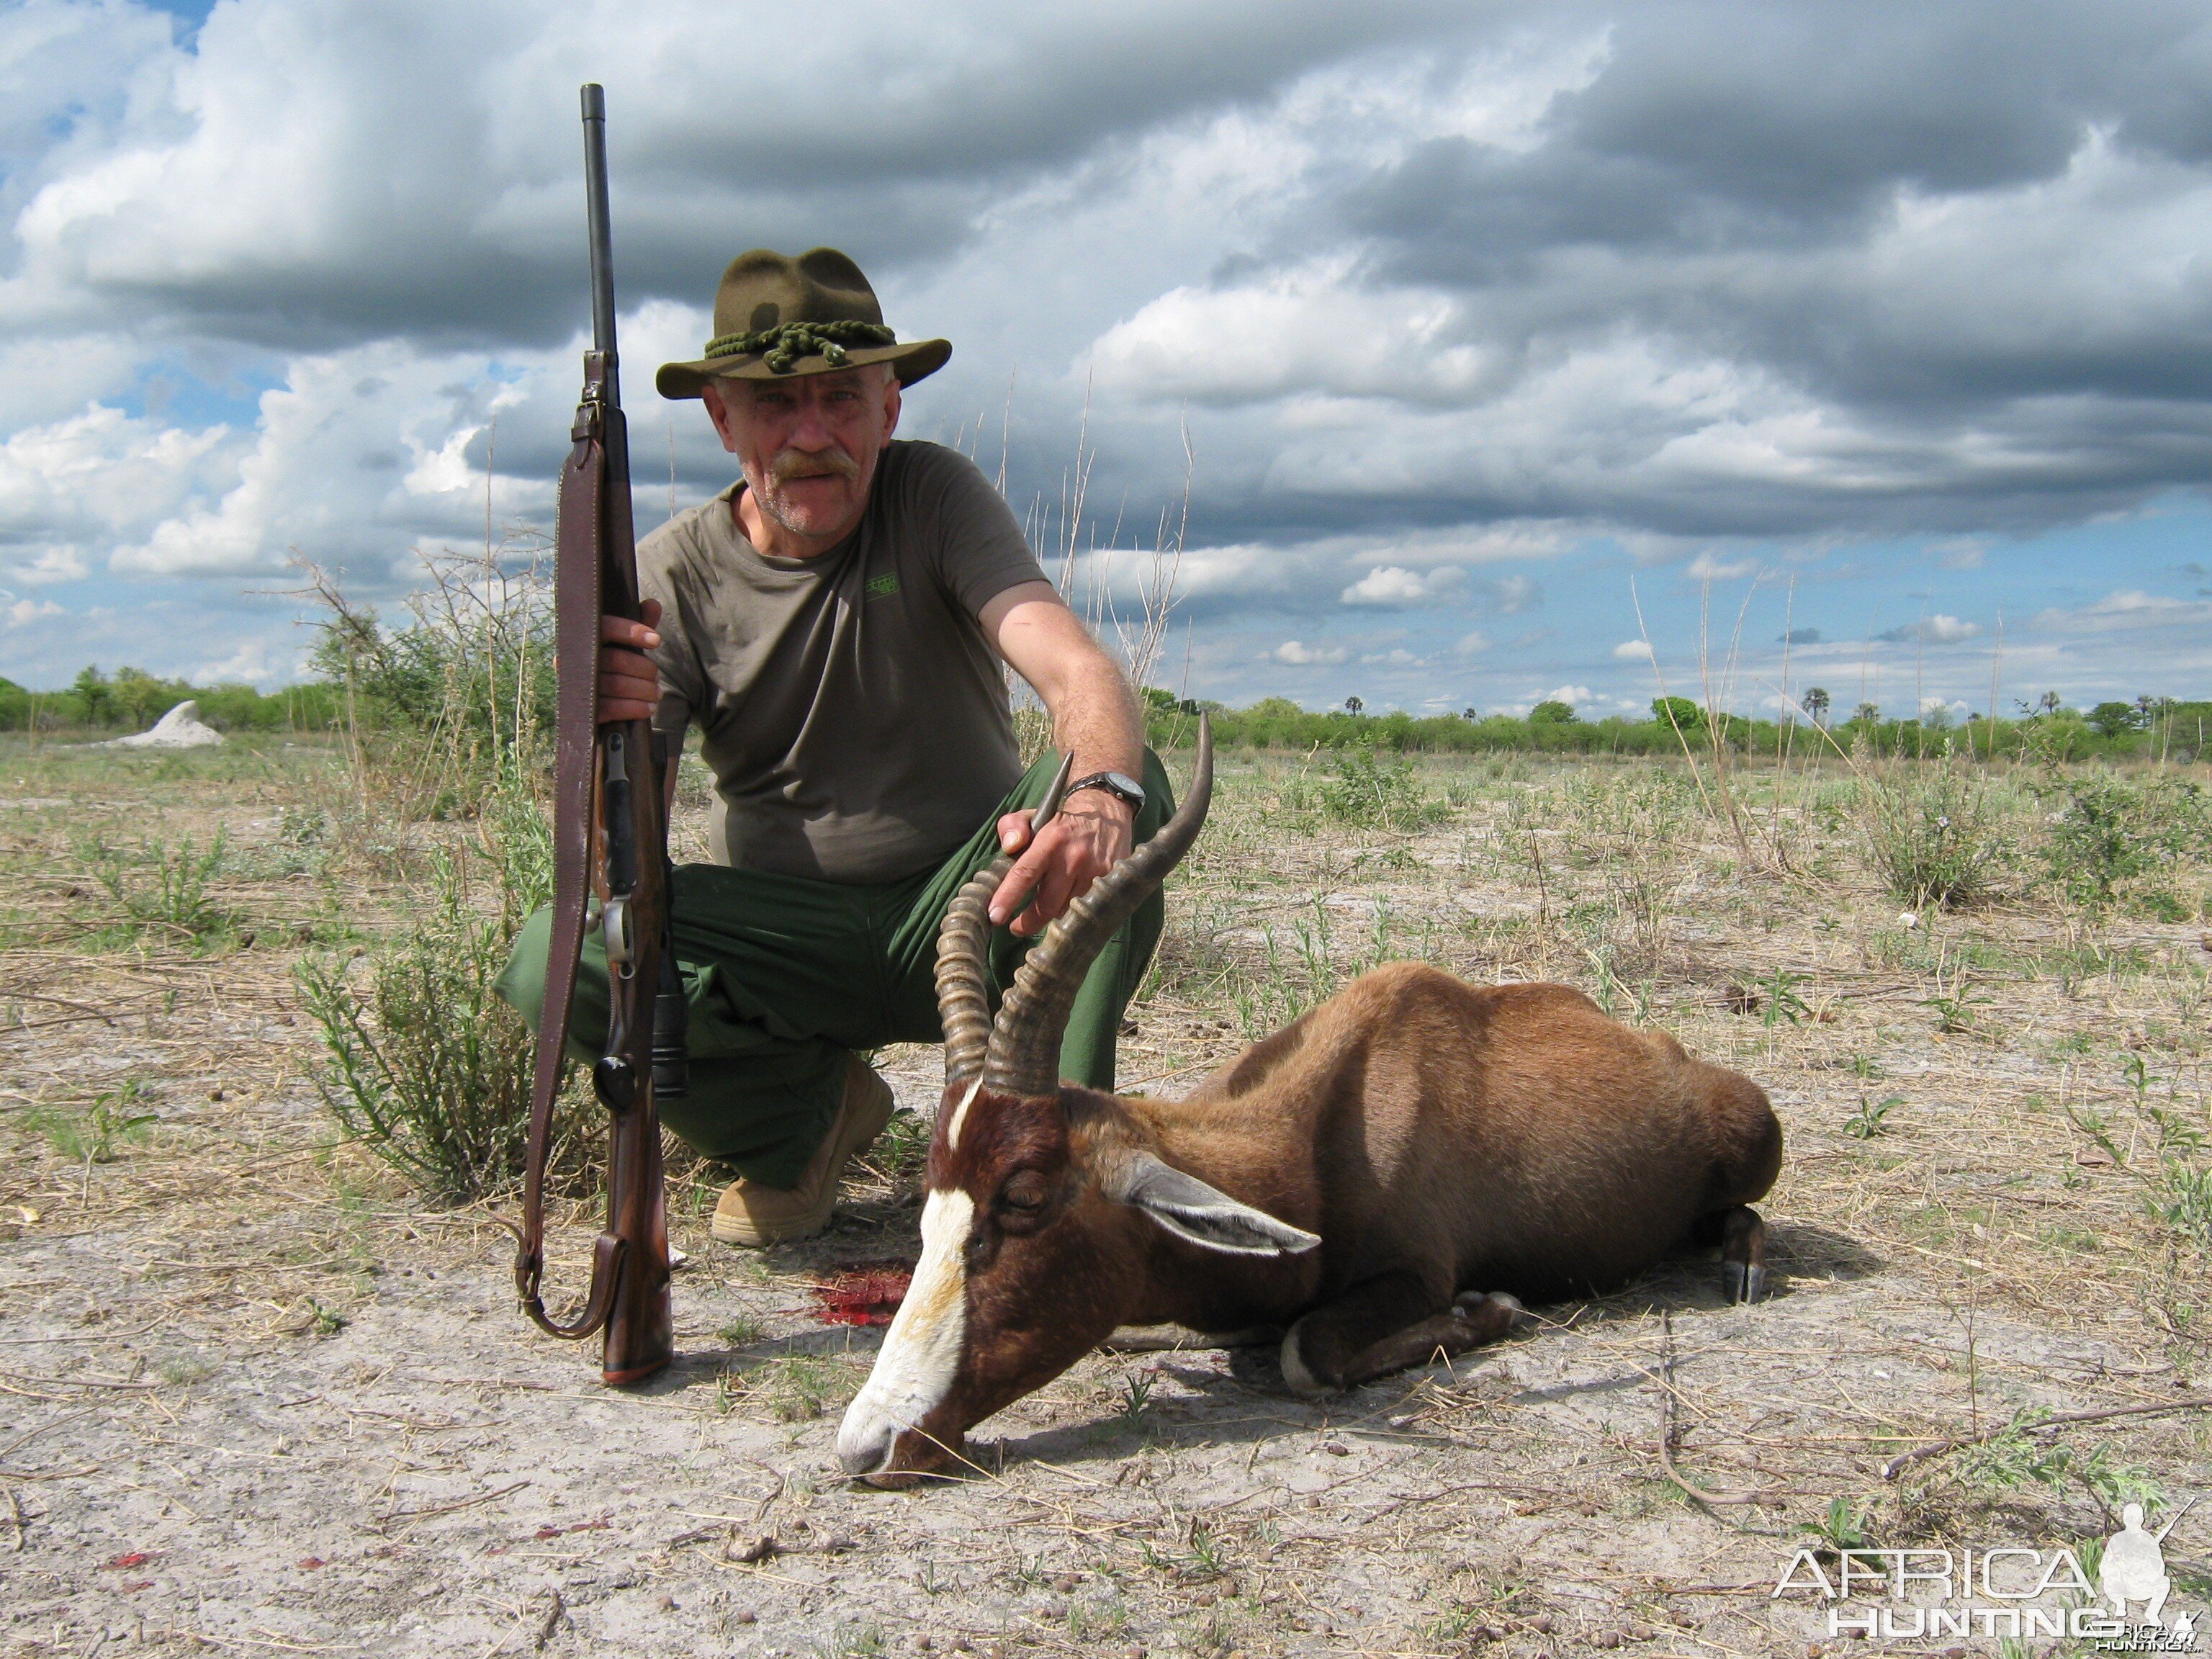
(776, 317)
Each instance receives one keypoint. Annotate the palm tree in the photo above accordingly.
(1867, 714)
(1816, 705)
(1352, 705)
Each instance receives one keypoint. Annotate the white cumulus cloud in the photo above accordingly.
(1298, 654)
(1710, 566)
(1950, 629)
(24, 612)
(359, 456)
(1392, 585)
(1938, 629)
(1312, 328)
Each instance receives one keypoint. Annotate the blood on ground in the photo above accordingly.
(865, 1293)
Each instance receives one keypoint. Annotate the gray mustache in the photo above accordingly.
(804, 464)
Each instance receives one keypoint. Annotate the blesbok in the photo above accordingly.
(1385, 1176)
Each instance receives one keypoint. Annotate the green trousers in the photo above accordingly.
(786, 976)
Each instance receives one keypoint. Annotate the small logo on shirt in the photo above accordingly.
(882, 586)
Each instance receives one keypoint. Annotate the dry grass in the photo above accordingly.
(245, 1355)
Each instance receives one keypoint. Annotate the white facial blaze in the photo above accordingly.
(921, 1351)
(960, 1114)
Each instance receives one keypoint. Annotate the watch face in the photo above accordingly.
(1122, 788)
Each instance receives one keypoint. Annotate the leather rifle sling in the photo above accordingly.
(576, 602)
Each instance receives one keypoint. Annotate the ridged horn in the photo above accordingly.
(964, 969)
(1023, 1057)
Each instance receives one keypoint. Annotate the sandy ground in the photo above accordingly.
(259, 1399)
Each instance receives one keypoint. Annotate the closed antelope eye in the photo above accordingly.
(1025, 1190)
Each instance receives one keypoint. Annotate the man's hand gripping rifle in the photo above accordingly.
(610, 840)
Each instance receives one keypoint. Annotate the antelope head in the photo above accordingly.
(1038, 1197)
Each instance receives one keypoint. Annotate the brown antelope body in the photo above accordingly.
(1389, 1176)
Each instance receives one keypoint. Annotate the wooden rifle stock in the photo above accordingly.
(609, 836)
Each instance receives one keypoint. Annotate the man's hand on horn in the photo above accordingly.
(1094, 712)
(1091, 834)
(629, 688)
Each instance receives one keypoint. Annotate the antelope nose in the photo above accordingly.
(864, 1438)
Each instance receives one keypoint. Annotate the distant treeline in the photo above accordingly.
(2144, 730)
(133, 700)
(392, 685)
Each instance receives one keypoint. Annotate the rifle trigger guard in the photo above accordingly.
(615, 923)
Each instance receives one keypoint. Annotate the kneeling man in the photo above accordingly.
(835, 623)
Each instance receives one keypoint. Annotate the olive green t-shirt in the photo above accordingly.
(854, 715)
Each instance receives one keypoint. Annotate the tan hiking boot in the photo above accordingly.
(750, 1213)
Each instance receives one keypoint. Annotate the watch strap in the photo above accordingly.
(1127, 791)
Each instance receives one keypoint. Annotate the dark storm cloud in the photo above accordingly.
(1730, 126)
(440, 199)
(1029, 85)
(1728, 179)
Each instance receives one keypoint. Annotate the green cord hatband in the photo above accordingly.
(783, 346)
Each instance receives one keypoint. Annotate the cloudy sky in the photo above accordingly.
(1886, 330)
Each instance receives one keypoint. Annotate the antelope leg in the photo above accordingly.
(1475, 1321)
(1743, 1254)
(1318, 1351)
(1181, 1338)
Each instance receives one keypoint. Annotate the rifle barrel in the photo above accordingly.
(602, 233)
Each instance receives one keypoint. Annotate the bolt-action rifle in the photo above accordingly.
(610, 840)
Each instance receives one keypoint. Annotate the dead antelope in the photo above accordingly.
(1385, 1176)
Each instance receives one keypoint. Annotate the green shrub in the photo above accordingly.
(90, 1137)
(2096, 843)
(2107, 833)
(163, 890)
(2182, 1199)
(2158, 904)
(1364, 790)
(424, 1064)
(1932, 839)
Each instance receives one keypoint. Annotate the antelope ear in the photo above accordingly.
(1190, 1209)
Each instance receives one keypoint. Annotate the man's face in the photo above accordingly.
(808, 445)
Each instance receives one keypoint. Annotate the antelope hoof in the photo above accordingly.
(1470, 1304)
(1484, 1317)
(1297, 1376)
(1744, 1281)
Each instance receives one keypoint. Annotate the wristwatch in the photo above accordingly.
(1123, 787)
